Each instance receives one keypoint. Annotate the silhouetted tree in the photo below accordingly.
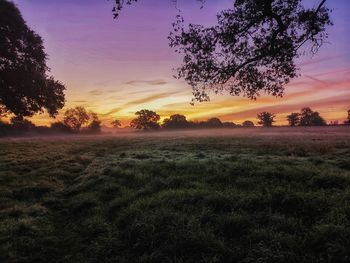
(146, 120)
(266, 118)
(252, 49)
(21, 125)
(214, 123)
(94, 125)
(176, 121)
(25, 87)
(348, 121)
(60, 127)
(311, 118)
(228, 125)
(293, 119)
(75, 118)
(116, 123)
(248, 124)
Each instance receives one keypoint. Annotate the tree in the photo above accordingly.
(116, 123)
(21, 125)
(228, 125)
(293, 119)
(95, 124)
(214, 123)
(266, 118)
(311, 118)
(348, 121)
(146, 120)
(76, 117)
(176, 121)
(248, 124)
(25, 87)
(252, 49)
(60, 127)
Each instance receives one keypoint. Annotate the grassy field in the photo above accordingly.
(243, 195)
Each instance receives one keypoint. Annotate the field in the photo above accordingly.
(241, 195)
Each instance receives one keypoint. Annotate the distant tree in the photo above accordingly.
(176, 121)
(228, 125)
(60, 127)
(266, 118)
(146, 120)
(248, 124)
(21, 125)
(214, 123)
(116, 123)
(311, 118)
(293, 119)
(76, 117)
(94, 125)
(348, 120)
(25, 87)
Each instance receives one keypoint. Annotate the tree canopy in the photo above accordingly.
(175, 121)
(309, 117)
(76, 117)
(293, 119)
(145, 120)
(266, 119)
(251, 50)
(25, 87)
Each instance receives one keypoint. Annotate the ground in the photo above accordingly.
(237, 195)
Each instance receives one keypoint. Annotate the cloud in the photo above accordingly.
(96, 92)
(155, 82)
(283, 108)
(140, 101)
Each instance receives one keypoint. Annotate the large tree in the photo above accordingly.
(25, 87)
(308, 117)
(76, 117)
(266, 119)
(251, 50)
(293, 119)
(175, 121)
(145, 120)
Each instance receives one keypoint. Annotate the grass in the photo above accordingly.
(261, 198)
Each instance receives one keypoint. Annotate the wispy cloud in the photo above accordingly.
(144, 100)
(96, 92)
(155, 82)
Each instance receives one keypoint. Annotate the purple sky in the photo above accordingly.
(116, 67)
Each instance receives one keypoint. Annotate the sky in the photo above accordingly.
(116, 67)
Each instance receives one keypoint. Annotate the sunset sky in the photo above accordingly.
(116, 67)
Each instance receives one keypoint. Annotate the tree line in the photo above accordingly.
(80, 121)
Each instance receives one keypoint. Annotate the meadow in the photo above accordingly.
(238, 195)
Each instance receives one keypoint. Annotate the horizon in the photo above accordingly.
(116, 67)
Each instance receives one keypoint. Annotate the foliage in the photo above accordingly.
(116, 123)
(119, 4)
(266, 118)
(176, 121)
(311, 118)
(146, 120)
(293, 119)
(348, 120)
(95, 124)
(176, 199)
(214, 123)
(60, 127)
(76, 117)
(248, 124)
(252, 49)
(25, 87)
